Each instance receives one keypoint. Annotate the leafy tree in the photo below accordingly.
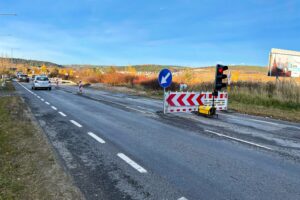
(44, 69)
(131, 70)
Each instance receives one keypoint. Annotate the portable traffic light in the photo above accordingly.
(219, 78)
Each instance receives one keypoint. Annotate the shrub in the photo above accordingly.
(283, 94)
(153, 84)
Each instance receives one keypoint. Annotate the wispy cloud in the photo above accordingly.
(185, 32)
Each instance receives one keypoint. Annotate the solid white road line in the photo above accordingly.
(62, 114)
(237, 139)
(257, 120)
(146, 109)
(112, 102)
(136, 109)
(47, 103)
(75, 123)
(295, 127)
(250, 119)
(182, 198)
(54, 108)
(132, 163)
(96, 137)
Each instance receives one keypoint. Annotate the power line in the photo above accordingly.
(8, 14)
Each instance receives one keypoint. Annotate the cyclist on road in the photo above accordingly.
(56, 81)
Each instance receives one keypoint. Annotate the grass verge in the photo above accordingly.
(264, 111)
(28, 169)
(6, 86)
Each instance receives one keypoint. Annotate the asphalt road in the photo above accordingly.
(119, 146)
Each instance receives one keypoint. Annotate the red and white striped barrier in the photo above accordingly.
(190, 101)
(184, 99)
(221, 101)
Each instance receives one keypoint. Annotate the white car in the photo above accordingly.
(41, 82)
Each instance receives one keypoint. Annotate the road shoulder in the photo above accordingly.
(29, 168)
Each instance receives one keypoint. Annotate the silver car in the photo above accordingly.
(41, 82)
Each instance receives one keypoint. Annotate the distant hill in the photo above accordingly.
(240, 68)
(250, 68)
(154, 68)
(139, 68)
(29, 62)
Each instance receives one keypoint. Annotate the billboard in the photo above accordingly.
(284, 63)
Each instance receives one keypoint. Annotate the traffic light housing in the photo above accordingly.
(219, 77)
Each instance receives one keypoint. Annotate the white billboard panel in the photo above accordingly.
(284, 63)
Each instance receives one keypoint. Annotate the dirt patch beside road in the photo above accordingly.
(28, 169)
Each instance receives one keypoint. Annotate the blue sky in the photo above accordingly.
(123, 32)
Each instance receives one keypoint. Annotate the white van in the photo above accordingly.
(41, 82)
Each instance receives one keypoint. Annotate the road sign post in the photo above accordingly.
(165, 80)
(164, 104)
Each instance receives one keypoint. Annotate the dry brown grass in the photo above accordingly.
(272, 112)
(28, 169)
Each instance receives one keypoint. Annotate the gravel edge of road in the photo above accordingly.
(67, 178)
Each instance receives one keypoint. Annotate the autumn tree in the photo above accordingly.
(54, 72)
(71, 72)
(35, 70)
(131, 70)
(44, 69)
(112, 70)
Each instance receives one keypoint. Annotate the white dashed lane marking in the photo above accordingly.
(54, 108)
(76, 123)
(182, 198)
(47, 103)
(96, 137)
(62, 114)
(132, 163)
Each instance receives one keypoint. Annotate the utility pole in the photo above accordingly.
(8, 14)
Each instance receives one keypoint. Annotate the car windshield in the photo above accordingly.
(42, 79)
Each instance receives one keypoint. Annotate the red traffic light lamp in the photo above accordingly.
(219, 77)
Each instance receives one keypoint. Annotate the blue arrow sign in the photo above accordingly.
(165, 78)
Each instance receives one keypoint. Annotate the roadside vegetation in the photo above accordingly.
(278, 99)
(251, 91)
(6, 86)
(28, 169)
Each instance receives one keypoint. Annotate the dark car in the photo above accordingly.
(23, 78)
